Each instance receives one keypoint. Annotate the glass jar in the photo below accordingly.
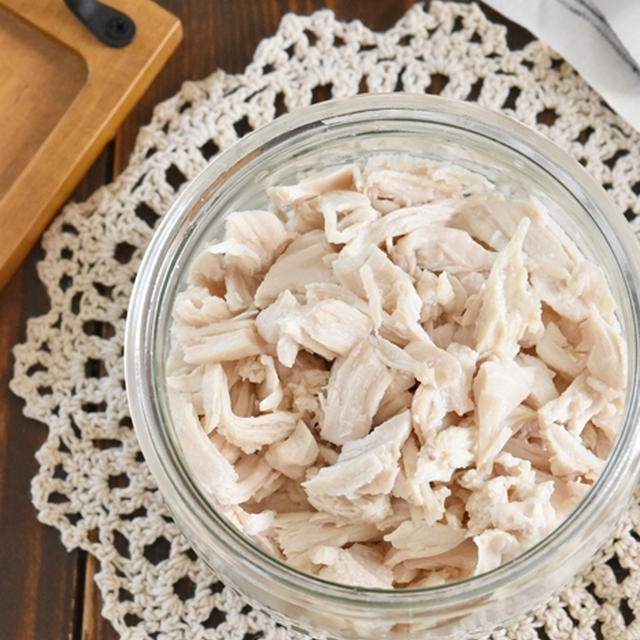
(517, 161)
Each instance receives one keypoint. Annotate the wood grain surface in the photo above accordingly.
(62, 96)
(47, 593)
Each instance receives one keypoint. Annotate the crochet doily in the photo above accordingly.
(93, 484)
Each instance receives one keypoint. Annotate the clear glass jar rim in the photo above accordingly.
(160, 453)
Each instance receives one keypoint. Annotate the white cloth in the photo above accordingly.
(600, 38)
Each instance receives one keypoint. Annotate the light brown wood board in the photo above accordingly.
(63, 94)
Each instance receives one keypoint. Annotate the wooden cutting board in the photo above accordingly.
(63, 93)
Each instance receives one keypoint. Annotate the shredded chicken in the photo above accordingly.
(358, 484)
(397, 377)
(359, 565)
(252, 240)
(356, 387)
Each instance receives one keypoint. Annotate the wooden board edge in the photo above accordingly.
(28, 232)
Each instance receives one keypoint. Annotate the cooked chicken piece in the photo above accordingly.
(498, 388)
(592, 438)
(289, 498)
(459, 386)
(428, 410)
(306, 260)
(427, 502)
(358, 509)
(186, 379)
(340, 213)
(207, 271)
(317, 291)
(327, 291)
(575, 406)
(359, 565)
(543, 389)
(234, 344)
(494, 548)
(295, 453)
(212, 471)
(373, 295)
(569, 457)
(185, 334)
(456, 513)
(255, 525)
(395, 180)
(240, 289)
(439, 248)
(388, 288)
(443, 335)
(268, 326)
(449, 391)
(252, 369)
(556, 352)
(428, 579)
(402, 576)
(270, 392)
(567, 495)
(510, 313)
(524, 422)
(196, 306)
(531, 449)
(420, 540)
(303, 384)
(447, 367)
(451, 295)
(459, 561)
(468, 320)
(228, 450)
(306, 217)
(356, 387)
(493, 221)
(252, 241)
(327, 455)
(472, 282)
(607, 356)
(252, 524)
(397, 397)
(243, 398)
(450, 450)
(389, 189)
(346, 177)
(329, 328)
(572, 296)
(334, 206)
(443, 298)
(589, 283)
(569, 329)
(256, 479)
(608, 419)
(426, 285)
(382, 230)
(299, 533)
(400, 360)
(366, 468)
(511, 501)
(353, 222)
(400, 511)
(248, 433)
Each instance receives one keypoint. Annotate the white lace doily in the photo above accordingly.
(93, 484)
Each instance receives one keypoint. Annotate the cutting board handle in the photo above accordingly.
(109, 25)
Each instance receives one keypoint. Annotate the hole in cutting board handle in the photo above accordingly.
(109, 25)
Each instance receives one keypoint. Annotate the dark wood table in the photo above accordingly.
(47, 593)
